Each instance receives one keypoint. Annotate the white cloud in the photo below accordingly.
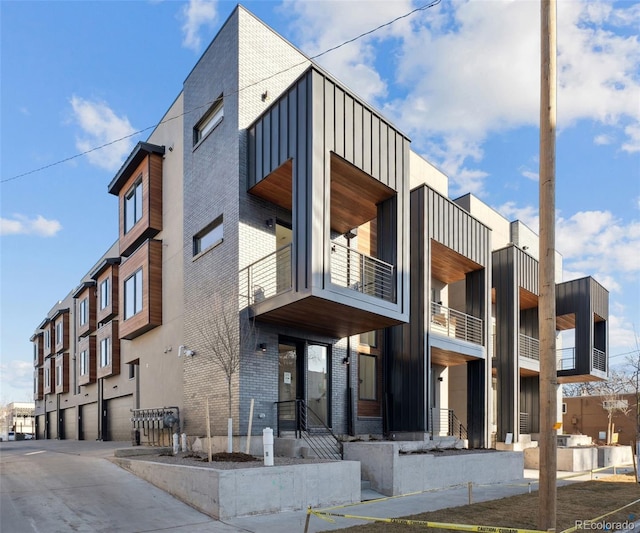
(16, 377)
(101, 126)
(467, 69)
(22, 225)
(196, 14)
(530, 175)
(603, 139)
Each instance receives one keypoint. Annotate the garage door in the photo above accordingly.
(89, 417)
(52, 424)
(69, 416)
(40, 421)
(119, 418)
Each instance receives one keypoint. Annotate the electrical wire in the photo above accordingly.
(138, 132)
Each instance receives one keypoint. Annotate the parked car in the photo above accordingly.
(11, 435)
(29, 436)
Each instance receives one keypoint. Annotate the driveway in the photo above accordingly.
(61, 486)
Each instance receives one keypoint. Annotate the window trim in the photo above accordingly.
(137, 203)
(212, 228)
(105, 296)
(209, 121)
(84, 311)
(138, 296)
(59, 333)
(105, 354)
(59, 378)
(84, 363)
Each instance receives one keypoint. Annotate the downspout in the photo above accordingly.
(347, 363)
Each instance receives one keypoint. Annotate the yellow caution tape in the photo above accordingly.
(425, 523)
(575, 528)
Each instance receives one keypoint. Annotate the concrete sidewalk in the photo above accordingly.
(400, 506)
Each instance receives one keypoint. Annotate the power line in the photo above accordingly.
(138, 132)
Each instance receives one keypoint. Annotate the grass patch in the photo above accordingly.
(577, 501)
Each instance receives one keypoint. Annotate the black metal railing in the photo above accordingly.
(599, 360)
(362, 273)
(529, 347)
(456, 324)
(524, 426)
(296, 416)
(267, 277)
(445, 420)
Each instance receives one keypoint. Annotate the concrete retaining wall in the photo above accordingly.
(582, 459)
(259, 490)
(392, 473)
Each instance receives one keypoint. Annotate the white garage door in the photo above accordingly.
(119, 418)
(89, 414)
(69, 416)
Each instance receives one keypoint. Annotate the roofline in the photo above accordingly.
(141, 150)
(103, 264)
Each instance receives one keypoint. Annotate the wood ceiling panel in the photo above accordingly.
(449, 266)
(277, 187)
(448, 358)
(325, 317)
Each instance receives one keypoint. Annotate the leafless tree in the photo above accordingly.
(224, 332)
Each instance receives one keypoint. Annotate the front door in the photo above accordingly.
(310, 390)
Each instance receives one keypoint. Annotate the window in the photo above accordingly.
(105, 352)
(47, 378)
(59, 376)
(84, 312)
(84, 363)
(367, 377)
(35, 351)
(132, 371)
(59, 332)
(564, 408)
(133, 294)
(209, 121)
(133, 205)
(47, 339)
(104, 293)
(209, 237)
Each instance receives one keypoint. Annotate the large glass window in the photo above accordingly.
(104, 293)
(59, 333)
(59, 376)
(84, 311)
(208, 237)
(133, 294)
(133, 205)
(35, 351)
(105, 352)
(210, 120)
(367, 377)
(47, 378)
(47, 339)
(84, 363)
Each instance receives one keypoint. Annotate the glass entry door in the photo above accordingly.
(303, 375)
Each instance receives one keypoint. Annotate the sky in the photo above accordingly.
(460, 78)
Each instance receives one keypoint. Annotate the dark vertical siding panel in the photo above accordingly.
(367, 145)
(283, 134)
(258, 155)
(329, 115)
(348, 128)
(266, 151)
(339, 122)
(357, 135)
(384, 153)
(292, 107)
(375, 147)
(399, 161)
(275, 138)
(251, 181)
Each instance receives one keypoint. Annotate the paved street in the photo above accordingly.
(60, 486)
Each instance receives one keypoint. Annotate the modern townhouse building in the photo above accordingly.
(285, 258)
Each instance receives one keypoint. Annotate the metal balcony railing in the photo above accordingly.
(529, 347)
(362, 273)
(444, 422)
(599, 361)
(524, 423)
(456, 324)
(268, 276)
(567, 359)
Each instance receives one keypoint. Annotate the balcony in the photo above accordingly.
(567, 364)
(267, 287)
(362, 273)
(456, 324)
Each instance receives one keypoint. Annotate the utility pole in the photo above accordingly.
(547, 300)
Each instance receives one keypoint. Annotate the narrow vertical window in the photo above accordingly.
(105, 352)
(104, 294)
(367, 377)
(133, 205)
(84, 363)
(84, 313)
(58, 376)
(133, 294)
